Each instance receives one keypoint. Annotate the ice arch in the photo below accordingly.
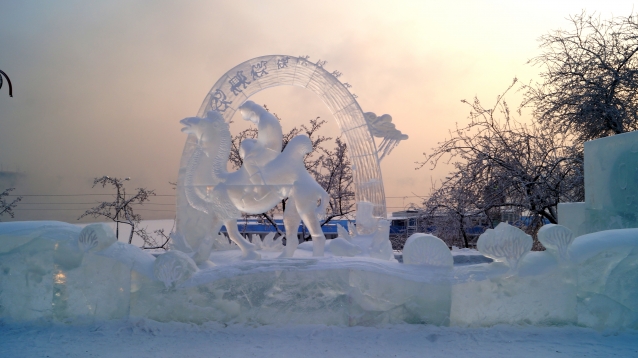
(260, 73)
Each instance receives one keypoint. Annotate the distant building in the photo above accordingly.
(261, 228)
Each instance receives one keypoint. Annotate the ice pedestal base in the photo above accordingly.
(541, 293)
(46, 276)
(300, 291)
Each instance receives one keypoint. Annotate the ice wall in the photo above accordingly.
(611, 187)
(46, 274)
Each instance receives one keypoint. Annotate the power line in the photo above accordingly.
(170, 195)
(80, 209)
(78, 195)
(94, 203)
(406, 196)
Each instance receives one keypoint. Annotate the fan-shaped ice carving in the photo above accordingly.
(426, 249)
(272, 244)
(556, 239)
(173, 268)
(221, 243)
(505, 243)
(342, 247)
(256, 240)
(343, 233)
(352, 229)
(96, 237)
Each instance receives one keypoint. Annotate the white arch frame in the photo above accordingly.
(255, 75)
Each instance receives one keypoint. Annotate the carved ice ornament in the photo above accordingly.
(556, 239)
(96, 237)
(173, 268)
(342, 245)
(505, 243)
(426, 249)
(270, 243)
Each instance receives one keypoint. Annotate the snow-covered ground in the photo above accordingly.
(143, 338)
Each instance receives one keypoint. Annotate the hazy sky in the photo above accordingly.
(99, 86)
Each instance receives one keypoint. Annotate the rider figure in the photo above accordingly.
(257, 153)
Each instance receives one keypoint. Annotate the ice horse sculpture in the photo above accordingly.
(267, 176)
(255, 75)
(194, 233)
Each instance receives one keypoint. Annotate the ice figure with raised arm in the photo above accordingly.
(267, 176)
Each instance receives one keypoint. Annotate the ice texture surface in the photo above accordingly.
(342, 247)
(505, 243)
(556, 239)
(96, 237)
(173, 268)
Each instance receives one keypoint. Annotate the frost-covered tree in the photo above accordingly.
(121, 211)
(451, 211)
(500, 163)
(590, 77)
(7, 206)
(334, 174)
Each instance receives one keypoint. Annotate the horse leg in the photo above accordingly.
(247, 249)
(291, 224)
(318, 238)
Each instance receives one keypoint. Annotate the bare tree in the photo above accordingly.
(452, 210)
(331, 168)
(334, 174)
(503, 164)
(7, 206)
(121, 211)
(590, 78)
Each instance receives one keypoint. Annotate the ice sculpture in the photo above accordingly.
(556, 239)
(272, 244)
(505, 243)
(426, 249)
(342, 247)
(208, 196)
(383, 127)
(44, 275)
(381, 248)
(96, 237)
(611, 199)
(366, 222)
(266, 178)
(173, 268)
(255, 75)
(221, 243)
(343, 233)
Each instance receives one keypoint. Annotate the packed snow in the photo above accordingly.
(144, 338)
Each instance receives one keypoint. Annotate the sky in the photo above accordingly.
(99, 87)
